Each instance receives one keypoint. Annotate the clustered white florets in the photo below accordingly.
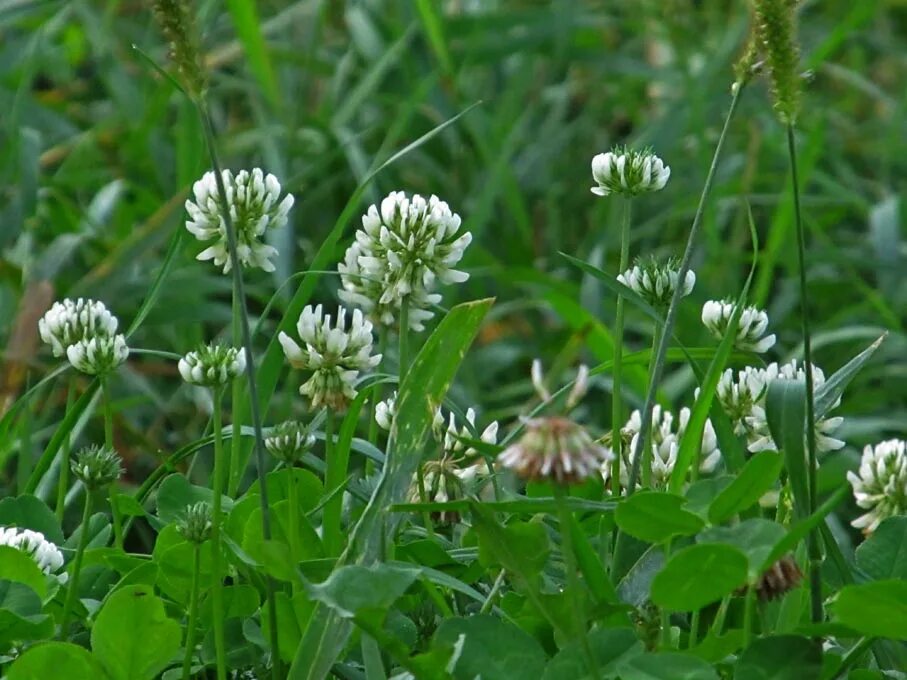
(212, 365)
(289, 441)
(402, 250)
(756, 422)
(622, 171)
(880, 485)
(255, 206)
(334, 353)
(85, 332)
(665, 445)
(656, 282)
(716, 315)
(45, 554)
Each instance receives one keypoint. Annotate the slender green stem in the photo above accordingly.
(671, 318)
(694, 630)
(193, 613)
(337, 459)
(665, 614)
(812, 544)
(853, 656)
(233, 473)
(403, 353)
(65, 453)
(73, 591)
(574, 592)
(293, 517)
(108, 442)
(495, 587)
(217, 584)
(240, 295)
(617, 415)
(647, 445)
(423, 498)
(749, 611)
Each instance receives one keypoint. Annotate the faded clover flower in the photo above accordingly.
(655, 282)
(880, 484)
(97, 466)
(716, 315)
(402, 250)
(255, 206)
(196, 523)
(554, 449)
(622, 171)
(98, 355)
(212, 365)
(45, 554)
(69, 322)
(334, 353)
(759, 434)
(289, 442)
(666, 444)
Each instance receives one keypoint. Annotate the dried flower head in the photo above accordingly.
(404, 248)
(666, 444)
(622, 171)
(45, 554)
(656, 281)
(178, 27)
(334, 353)
(98, 355)
(783, 576)
(255, 206)
(97, 466)
(880, 484)
(716, 316)
(289, 442)
(758, 433)
(71, 321)
(554, 449)
(196, 523)
(212, 365)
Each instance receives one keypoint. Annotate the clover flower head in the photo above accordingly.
(716, 315)
(255, 206)
(71, 321)
(440, 483)
(554, 449)
(880, 484)
(405, 246)
(627, 172)
(97, 466)
(759, 437)
(386, 410)
(289, 442)
(666, 437)
(98, 355)
(738, 396)
(196, 523)
(333, 352)
(655, 282)
(45, 554)
(452, 440)
(212, 365)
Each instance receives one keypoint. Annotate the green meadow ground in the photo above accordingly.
(99, 152)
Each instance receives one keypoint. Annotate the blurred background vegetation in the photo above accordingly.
(99, 151)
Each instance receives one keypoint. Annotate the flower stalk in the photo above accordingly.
(217, 585)
(617, 417)
(193, 612)
(73, 591)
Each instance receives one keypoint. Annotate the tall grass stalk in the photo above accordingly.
(217, 584)
(617, 372)
(812, 545)
(239, 294)
(671, 317)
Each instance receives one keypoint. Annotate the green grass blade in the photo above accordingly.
(785, 409)
(248, 29)
(832, 389)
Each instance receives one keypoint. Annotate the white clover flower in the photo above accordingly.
(881, 484)
(622, 171)
(554, 449)
(212, 365)
(98, 355)
(453, 446)
(759, 434)
(255, 207)
(655, 282)
(716, 315)
(45, 554)
(402, 250)
(68, 322)
(666, 444)
(289, 441)
(97, 466)
(387, 409)
(738, 397)
(334, 353)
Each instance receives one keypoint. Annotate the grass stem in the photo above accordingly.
(217, 584)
